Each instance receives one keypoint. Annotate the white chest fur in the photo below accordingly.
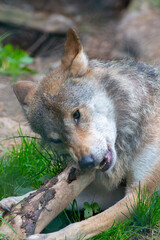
(145, 162)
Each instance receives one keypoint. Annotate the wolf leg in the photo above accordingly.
(94, 225)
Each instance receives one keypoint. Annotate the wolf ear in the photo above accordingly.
(24, 91)
(74, 57)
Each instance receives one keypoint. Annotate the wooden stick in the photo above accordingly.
(35, 212)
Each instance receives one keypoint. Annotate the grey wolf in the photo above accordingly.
(107, 116)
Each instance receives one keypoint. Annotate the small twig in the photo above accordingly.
(38, 43)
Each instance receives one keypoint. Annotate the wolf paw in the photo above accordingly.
(72, 232)
(37, 237)
(7, 203)
(50, 236)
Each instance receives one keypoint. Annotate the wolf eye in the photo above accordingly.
(55, 141)
(76, 116)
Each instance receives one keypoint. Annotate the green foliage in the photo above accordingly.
(3, 237)
(91, 209)
(77, 215)
(13, 61)
(146, 212)
(26, 166)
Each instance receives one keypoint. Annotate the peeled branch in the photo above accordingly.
(35, 212)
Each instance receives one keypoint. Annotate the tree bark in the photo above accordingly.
(35, 212)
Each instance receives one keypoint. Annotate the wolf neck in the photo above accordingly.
(133, 106)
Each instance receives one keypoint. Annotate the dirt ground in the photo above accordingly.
(136, 35)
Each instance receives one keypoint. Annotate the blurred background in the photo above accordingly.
(32, 36)
(108, 29)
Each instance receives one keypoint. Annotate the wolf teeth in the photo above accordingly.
(98, 167)
(101, 166)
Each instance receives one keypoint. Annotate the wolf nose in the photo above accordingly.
(87, 162)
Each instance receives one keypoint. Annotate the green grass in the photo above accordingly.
(3, 220)
(28, 164)
(4, 236)
(143, 223)
(147, 209)
(13, 61)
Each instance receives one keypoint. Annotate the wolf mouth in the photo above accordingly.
(107, 161)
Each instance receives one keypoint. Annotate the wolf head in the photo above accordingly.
(71, 109)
